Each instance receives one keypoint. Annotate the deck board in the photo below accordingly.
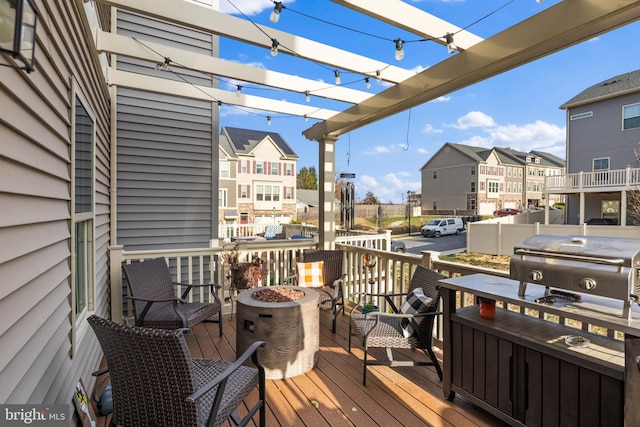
(405, 396)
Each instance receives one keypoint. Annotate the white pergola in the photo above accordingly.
(555, 28)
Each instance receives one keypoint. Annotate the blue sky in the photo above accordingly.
(517, 109)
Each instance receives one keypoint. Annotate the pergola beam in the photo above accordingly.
(127, 46)
(178, 88)
(413, 20)
(208, 20)
(558, 27)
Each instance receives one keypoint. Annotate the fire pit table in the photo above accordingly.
(287, 319)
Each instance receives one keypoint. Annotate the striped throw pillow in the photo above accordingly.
(310, 274)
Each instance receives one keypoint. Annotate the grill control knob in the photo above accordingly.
(588, 284)
(535, 275)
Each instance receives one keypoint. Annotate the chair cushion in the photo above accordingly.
(416, 303)
(310, 274)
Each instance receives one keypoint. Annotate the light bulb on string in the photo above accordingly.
(306, 118)
(219, 106)
(378, 76)
(269, 120)
(238, 90)
(399, 49)
(307, 95)
(451, 46)
(274, 47)
(336, 73)
(275, 14)
(367, 82)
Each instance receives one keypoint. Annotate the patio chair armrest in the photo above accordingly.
(100, 371)
(291, 279)
(338, 282)
(204, 285)
(152, 300)
(222, 377)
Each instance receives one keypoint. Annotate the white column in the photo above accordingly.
(327, 187)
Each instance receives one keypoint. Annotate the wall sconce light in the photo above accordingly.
(18, 31)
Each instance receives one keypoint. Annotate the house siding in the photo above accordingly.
(167, 149)
(36, 365)
(588, 136)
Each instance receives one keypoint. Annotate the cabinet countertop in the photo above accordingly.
(605, 312)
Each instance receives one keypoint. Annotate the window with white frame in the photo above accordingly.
(244, 166)
(509, 172)
(631, 116)
(82, 270)
(509, 187)
(473, 186)
(601, 164)
(288, 193)
(494, 186)
(260, 167)
(225, 170)
(267, 193)
(274, 168)
(473, 169)
(244, 191)
(222, 198)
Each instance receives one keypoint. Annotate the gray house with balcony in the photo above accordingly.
(603, 136)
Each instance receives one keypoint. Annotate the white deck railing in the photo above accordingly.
(618, 179)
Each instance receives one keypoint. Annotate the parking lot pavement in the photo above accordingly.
(444, 244)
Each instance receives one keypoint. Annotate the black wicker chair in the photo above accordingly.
(155, 381)
(155, 304)
(387, 330)
(331, 293)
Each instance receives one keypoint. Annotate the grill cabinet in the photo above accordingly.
(602, 266)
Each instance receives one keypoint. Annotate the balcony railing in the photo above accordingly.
(594, 181)
(392, 272)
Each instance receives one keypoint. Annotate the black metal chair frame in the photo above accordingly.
(153, 294)
(378, 329)
(155, 381)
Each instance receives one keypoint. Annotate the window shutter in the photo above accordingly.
(239, 191)
(248, 191)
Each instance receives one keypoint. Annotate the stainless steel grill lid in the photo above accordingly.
(603, 266)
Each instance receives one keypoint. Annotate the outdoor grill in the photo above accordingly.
(574, 265)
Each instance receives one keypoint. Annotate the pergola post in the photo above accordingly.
(327, 187)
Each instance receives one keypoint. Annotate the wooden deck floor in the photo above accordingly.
(332, 393)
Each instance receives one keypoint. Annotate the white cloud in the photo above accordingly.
(393, 188)
(441, 99)
(378, 149)
(422, 151)
(248, 7)
(428, 128)
(474, 119)
(539, 135)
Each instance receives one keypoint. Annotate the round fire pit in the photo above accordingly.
(287, 319)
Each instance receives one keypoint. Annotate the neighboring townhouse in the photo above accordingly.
(465, 178)
(257, 177)
(603, 136)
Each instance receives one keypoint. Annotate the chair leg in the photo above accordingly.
(364, 372)
(349, 348)
(432, 355)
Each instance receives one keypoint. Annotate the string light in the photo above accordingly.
(306, 118)
(274, 47)
(277, 8)
(399, 50)
(378, 76)
(164, 65)
(307, 95)
(337, 74)
(269, 120)
(450, 44)
(238, 90)
(219, 105)
(367, 82)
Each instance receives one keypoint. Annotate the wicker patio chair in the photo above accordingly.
(156, 382)
(330, 290)
(155, 304)
(400, 329)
